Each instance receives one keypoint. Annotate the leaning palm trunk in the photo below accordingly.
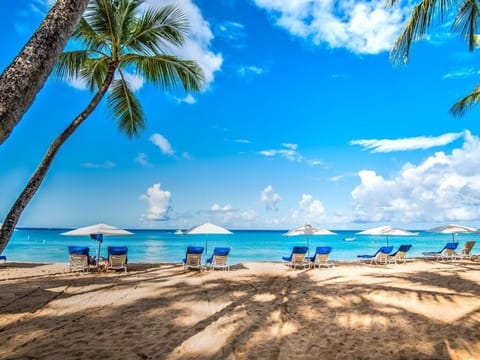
(25, 76)
(37, 178)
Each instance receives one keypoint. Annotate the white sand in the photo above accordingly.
(420, 310)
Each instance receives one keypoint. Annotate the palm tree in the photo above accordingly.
(25, 76)
(422, 18)
(117, 39)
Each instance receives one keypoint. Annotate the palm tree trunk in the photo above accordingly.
(25, 76)
(37, 178)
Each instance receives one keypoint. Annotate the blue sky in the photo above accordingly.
(304, 119)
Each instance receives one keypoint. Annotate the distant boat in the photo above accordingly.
(349, 238)
(179, 232)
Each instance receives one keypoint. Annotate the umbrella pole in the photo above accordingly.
(308, 245)
(206, 248)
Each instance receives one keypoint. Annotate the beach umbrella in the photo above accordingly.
(207, 229)
(308, 230)
(97, 232)
(387, 231)
(453, 229)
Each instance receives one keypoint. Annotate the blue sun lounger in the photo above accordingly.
(380, 257)
(297, 257)
(193, 258)
(448, 252)
(400, 255)
(79, 258)
(321, 257)
(219, 259)
(4, 258)
(117, 258)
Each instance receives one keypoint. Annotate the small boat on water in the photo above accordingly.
(179, 232)
(349, 238)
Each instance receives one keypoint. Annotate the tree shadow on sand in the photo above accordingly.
(165, 313)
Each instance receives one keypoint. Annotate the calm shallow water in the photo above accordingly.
(47, 245)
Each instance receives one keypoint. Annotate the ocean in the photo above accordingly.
(47, 245)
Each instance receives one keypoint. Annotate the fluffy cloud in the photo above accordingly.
(444, 187)
(310, 210)
(364, 27)
(215, 208)
(233, 32)
(158, 203)
(197, 46)
(162, 143)
(187, 99)
(405, 144)
(270, 199)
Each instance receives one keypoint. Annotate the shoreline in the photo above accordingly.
(420, 310)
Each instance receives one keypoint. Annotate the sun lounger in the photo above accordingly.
(380, 256)
(193, 258)
(297, 257)
(400, 255)
(79, 258)
(447, 253)
(321, 257)
(466, 252)
(4, 258)
(219, 259)
(117, 258)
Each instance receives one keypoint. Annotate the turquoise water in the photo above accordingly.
(46, 245)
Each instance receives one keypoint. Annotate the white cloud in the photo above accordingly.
(105, 165)
(142, 159)
(270, 199)
(405, 144)
(158, 203)
(197, 46)
(310, 210)
(187, 99)
(245, 70)
(461, 74)
(289, 151)
(216, 208)
(444, 187)
(162, 143)
(248, 215)
(364, 27)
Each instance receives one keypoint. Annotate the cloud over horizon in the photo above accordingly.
(444, 187)
(270, 198)
(158, 202)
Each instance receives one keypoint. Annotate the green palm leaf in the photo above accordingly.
(167, 71)
(70, 64)
(466, 103)
(126, 108)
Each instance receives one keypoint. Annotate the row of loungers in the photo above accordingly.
(384, 255)
(80, 258)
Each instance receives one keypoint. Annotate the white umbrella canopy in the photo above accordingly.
(97, 232)
(387, 230)
(207, 229)
(104, 229)
(453, 229)
(308, 230)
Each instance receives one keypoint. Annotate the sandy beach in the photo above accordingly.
(419, 310)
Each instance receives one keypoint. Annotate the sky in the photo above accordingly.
(303, 119)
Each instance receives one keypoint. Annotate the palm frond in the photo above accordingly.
(167, 71)
(157, 29)
(83, 32)
(95, 72)
(126, 108)
(466, 20)
(70, 64)
(420, 20)
(466, 103)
